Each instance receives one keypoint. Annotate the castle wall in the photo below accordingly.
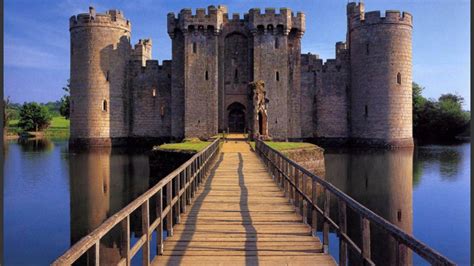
(381, 64)
(331, 105)
(100, 48)
(177, 83)
(294, 84)
(311, 67)
(150, 99)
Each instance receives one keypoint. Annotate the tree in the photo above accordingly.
(64, 109)
(438, 120)
(34, 117)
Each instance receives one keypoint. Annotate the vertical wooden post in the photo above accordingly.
(327, 198)
(291, 174)
(400, 252)
(342, 229)
(314, 198)
(365, 229)
(159, 228)
(125, 243)
(96, 253)
(303, 210)
(297, 185)
(183, 185)
(145, 230)
(169, 216)
(177, 185)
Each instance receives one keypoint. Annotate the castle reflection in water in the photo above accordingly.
(103, 181)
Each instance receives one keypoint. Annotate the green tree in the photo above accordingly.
(34, 117)
(64, 108)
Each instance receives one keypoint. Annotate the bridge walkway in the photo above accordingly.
(240, 217)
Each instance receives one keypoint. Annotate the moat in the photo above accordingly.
(65, 195)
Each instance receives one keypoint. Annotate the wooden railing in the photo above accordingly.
(172, 194)
(292, 179)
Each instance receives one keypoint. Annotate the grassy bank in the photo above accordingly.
(285, 146)
(188, 145)
(59, 128)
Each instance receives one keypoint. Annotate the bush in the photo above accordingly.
(438, 120)
(34, 117)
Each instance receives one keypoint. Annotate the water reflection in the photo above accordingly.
(447, 158)
(102, 182)
(35, 145)
(381, 180)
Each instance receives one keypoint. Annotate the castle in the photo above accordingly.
(363, 96)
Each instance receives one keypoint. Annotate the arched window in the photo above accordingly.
(162, 110)
(104, 105)
(277, 76)
(277, 43)
(399, 78)
(153, 92)
(194, 47)
(236, 76)
(207, 75)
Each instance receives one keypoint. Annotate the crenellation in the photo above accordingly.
(356, 96)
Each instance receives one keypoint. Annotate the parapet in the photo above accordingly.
(375, 17)
(311, 62)
(111, 18)
(186, 21)
(272, 20)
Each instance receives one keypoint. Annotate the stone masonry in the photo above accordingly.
(363, 96)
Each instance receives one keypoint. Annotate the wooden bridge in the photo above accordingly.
(229, 205)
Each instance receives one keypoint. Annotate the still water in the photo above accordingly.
(52, 197)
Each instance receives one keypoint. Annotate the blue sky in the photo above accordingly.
(36, 44)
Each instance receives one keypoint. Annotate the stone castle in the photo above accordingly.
(234, 74)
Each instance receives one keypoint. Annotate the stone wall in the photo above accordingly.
(150, 90)
(381, 76)
(100, 49)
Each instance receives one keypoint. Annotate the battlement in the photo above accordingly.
(111, 18)
(270, 20)
(311, 62)
(136, 66)
(375, 17)
(186, 21)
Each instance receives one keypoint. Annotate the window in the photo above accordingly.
(107, 75)
(162, 110)
(236, 76)
(277, 43)
(366, 111)
(277, 76)
(207, 75)
(367, 48)
(399, 78)
(104, 105)
(194, 47)
(72, 106)
(153, 93)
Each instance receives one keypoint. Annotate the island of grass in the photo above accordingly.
(192, 145)
(287, 146)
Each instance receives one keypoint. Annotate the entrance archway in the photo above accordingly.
(236, 119)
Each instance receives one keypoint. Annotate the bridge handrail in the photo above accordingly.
(192, 173)
(282, 168)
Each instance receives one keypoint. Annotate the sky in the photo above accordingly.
(36, 38)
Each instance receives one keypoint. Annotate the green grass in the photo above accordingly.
(284, 146)
(59, 128)
(189, 145)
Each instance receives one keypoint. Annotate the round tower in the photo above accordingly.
(100, 50)
(381, 76)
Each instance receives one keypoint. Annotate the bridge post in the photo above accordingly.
(314, 218)
(342, 229)
(365, 231)
(125, 243)
(177, 185)
(169, 217)
(327, 198)
(145, 208)
(297, 185)
(159, 228)
(303, 210)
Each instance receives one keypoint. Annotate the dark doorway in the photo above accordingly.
(236, 118)
(260, 123)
